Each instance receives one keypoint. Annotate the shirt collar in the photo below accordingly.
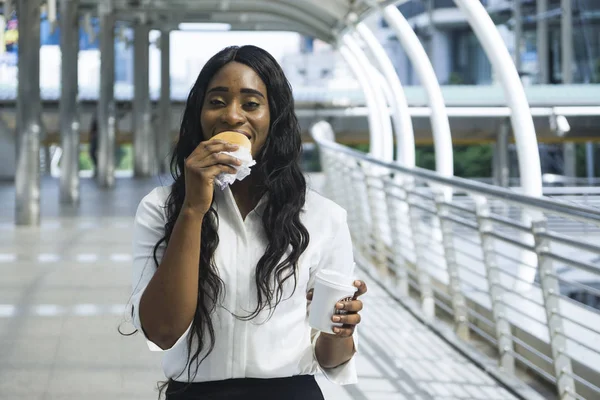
(224, 198)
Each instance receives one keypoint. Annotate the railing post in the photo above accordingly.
(359, 187)
(376, 199)
(459, 306)
(563, 370)
(424, 280)
(496, 291)
(396, 205)
(347, 168)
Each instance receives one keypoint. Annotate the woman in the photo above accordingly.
(222, 278)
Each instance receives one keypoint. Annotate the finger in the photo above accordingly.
(362, 288)
(212, 146)
(208, 171)
(214, 159)
(309, 294)
(351, 306)
(343, 331)
(211, 172)
(348, 319)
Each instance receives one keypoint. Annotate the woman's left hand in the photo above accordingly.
(351, 318)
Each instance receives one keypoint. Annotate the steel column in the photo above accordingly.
(165, 138)
(144, 151)
(502, 151)
(29, 108)
(69, 121)
(518, 17)
(106, 101)
(543, 50)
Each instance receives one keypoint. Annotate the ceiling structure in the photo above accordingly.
(322, 19)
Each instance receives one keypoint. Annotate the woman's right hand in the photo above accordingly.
(201, 168)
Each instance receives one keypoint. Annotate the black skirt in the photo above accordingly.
(301, 387)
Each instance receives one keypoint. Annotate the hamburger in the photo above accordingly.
(243, 154)
(234, 138)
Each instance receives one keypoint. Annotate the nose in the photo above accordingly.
(232, 115)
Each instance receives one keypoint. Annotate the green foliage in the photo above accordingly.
(364, 147)
(85, 161)
(425, 157)
(124, 157)
(473, 161)
(455, 79)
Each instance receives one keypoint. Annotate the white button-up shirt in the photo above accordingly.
(281, 346)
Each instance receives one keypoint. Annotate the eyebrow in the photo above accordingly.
(244, 90)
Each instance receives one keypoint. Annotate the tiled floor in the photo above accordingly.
(63, 291)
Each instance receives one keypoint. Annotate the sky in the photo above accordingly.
(190, 50)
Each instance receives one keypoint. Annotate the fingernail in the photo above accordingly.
(336, 330)
(336, 319)
(356, 283)
(339, 306)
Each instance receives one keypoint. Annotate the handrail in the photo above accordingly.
(512, 260)
(540, 203)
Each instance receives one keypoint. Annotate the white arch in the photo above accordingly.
(380, 128)
(444, 157)
(403, 128)
(520, 116)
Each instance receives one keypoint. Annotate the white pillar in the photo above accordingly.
(566, 48)
(106, 101)
(144, 151)
(543, 50)
(69, 121)
(165, 136)
(29, 108)
(502, 151)
(518, 17)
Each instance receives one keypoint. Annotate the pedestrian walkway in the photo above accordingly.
(63, 292)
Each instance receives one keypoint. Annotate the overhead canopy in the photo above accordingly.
(323, 19)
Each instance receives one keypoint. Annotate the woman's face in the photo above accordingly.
(236, 100)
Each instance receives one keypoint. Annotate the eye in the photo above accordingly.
(252, 104)
(215, 102)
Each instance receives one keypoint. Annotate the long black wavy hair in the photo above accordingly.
(279, 178)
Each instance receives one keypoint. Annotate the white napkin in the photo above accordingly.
(243, 154)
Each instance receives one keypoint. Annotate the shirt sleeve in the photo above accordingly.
(148, 229)
(339, 257)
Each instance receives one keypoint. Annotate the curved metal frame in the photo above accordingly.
(504, 67)
(403, 128)
(381, 137)
(285, 11)
(444, 156)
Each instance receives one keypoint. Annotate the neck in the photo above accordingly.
(246, 195)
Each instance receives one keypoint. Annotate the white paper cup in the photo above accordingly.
(330, 288)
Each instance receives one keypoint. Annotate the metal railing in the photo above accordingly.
(516, 272)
